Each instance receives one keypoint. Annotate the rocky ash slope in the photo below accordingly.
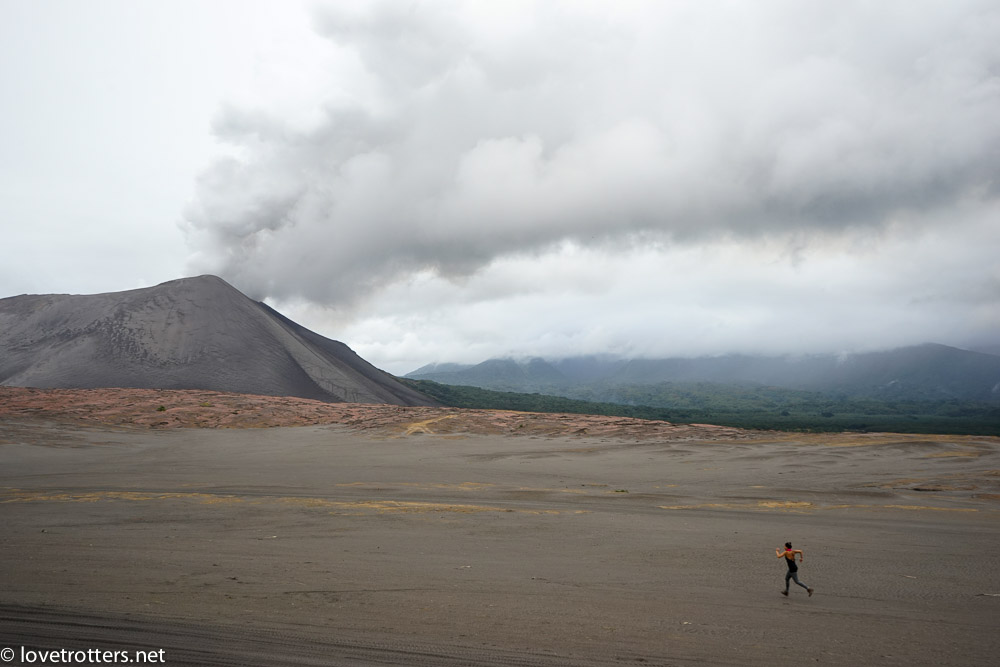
(193, 333)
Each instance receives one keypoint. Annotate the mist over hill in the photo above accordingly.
(192, 333)
(921, 389)
(923, 372)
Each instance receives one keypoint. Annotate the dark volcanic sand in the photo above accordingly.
(407, 545)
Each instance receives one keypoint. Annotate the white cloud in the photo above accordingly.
(479, 148)
(864, 290)
(521, 177)
(688, 120)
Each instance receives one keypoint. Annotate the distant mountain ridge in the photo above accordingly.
(192, 333)
(922, 372)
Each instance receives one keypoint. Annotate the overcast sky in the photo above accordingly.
(452, 181)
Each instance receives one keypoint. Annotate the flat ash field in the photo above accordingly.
(230, 529)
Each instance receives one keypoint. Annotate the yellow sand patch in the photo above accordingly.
(383, 506)
(786, 505)
(424, 426)
(17, 496)
(338, 506)
(461, 486)
(942, 455)
(413, 507)
(805, 506)
(924, 507)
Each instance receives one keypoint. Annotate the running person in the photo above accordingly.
(793, 570)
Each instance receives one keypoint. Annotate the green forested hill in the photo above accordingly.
(743, 406)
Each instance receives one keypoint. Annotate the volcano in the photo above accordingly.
(192, 333)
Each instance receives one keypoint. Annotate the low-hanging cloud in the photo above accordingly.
(454, 134)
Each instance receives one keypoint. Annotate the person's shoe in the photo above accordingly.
(785, 593)
(810, 591)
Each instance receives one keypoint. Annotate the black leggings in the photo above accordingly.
(795, 576)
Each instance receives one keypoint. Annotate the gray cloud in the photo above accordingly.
(460, 137)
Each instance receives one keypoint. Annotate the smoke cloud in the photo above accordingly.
(444, 137)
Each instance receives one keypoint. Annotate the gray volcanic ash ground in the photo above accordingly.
(392, 535)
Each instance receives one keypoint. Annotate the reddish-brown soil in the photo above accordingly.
(168, 409)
